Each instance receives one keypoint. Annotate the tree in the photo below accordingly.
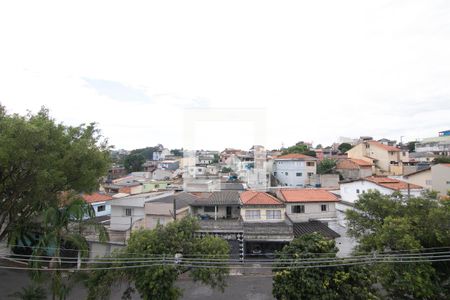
(396, 223)
(441, 160)
(31, 292)
(334, 282)
(412, 146)
(177, 152)
(226, 170)
(344, 147)
(299, 148)
(134, 162)
(40, 159)
(156, 277)
(326, 166)
(319, 146)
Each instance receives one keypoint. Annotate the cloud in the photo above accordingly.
(117, 91)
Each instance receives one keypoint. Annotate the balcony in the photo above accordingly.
(221, 225)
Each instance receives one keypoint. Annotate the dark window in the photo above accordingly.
(274, 173)
(209, 209)
(101, 208)
(357, 191)
(286, 173)
(310, 164)
(298, 209)
(310, 174)
(128, 212)
(323, 207)
(298, 174)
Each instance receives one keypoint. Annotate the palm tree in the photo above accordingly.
(65, 227)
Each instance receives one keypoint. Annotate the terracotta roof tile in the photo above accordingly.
(258, 198)
(96, 197)
(296, 156)
(393, 184)
(353, 163)
(308, 195)
(383, 146)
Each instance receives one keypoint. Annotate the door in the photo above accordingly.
(228, 212)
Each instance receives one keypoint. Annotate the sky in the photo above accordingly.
(215, 74)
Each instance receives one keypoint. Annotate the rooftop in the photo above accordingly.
(295, 156)
(314, 226)
(383, 146)
(217, 198)
(308, 195)
(96, 197)
(390, 183)
(258, 198)
(353, 163)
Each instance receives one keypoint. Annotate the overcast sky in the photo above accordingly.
(300, 70)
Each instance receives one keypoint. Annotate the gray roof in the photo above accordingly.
(182, 199)
(314, 226)
(234, 186)
(219, 198)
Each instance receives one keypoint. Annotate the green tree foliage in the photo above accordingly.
(133, 162)
(40, 159)
(412, 146)
(334, 282)
(326, 166)
(300, 148)
(177, 152)
(395, 223)
(344, 147)
(156, 280)
(442, 160)
(31, 292)
(226, 170)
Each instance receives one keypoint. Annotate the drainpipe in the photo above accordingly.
(215, 212)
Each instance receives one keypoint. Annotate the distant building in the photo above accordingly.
(353, 168)
(439, 145)
(99, 202)
(294, 169)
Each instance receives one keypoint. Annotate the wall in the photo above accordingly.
(121, 222)
(263, 212)
(312, 211)
(423, 179)
(106, 212)
(221, 211)
(350, 194)
(292, 167)
(440, 178)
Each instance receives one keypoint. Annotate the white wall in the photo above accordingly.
(106, 212)
(312, 211)
(350, 191)
(292, 167)
(119, 221)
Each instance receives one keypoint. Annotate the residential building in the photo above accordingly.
(260, 206)
(353, 168)
(161, 174)
(439, 145)
(352, 189)
(160, 152)
(303, 205)
(127, 213)
(171, 165)
(161, 211)
(100, 203)
(440, 178)
(387, 160)
(294, 169)
(421, 177)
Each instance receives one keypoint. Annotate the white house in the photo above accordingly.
(100, 203)
(127, 212)
(294, 169)
(351, 190)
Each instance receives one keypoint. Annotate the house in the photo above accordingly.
(171, 165)
(421, 177)
(439, 145)
(127, 213)
(161, 211)
(261, 206)
(161, 174)
(440, 178)
(303, 205)
(353, 168)
(388, 160)
(160, 152)
(294, 169)
(99, 202)
(350, 190)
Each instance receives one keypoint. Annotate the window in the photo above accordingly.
(209, 209)
(101, 208)
(310, 164)
(286, 173)
(310, 174)
(273, 214)
(274, 173)
(323, 207)
(428, 182)
(357, 191)
(298, 174)
(128, 212)
(298, 209)
(253, 214)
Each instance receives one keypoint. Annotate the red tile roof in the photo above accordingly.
(393, 184)
(258, 198)
(296, 156)
(353, 163)
(308, 195)
(96, 197)
(383, 146)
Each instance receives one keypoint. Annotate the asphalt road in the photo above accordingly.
(247, 287)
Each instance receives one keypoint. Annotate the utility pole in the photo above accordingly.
(174, 208)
